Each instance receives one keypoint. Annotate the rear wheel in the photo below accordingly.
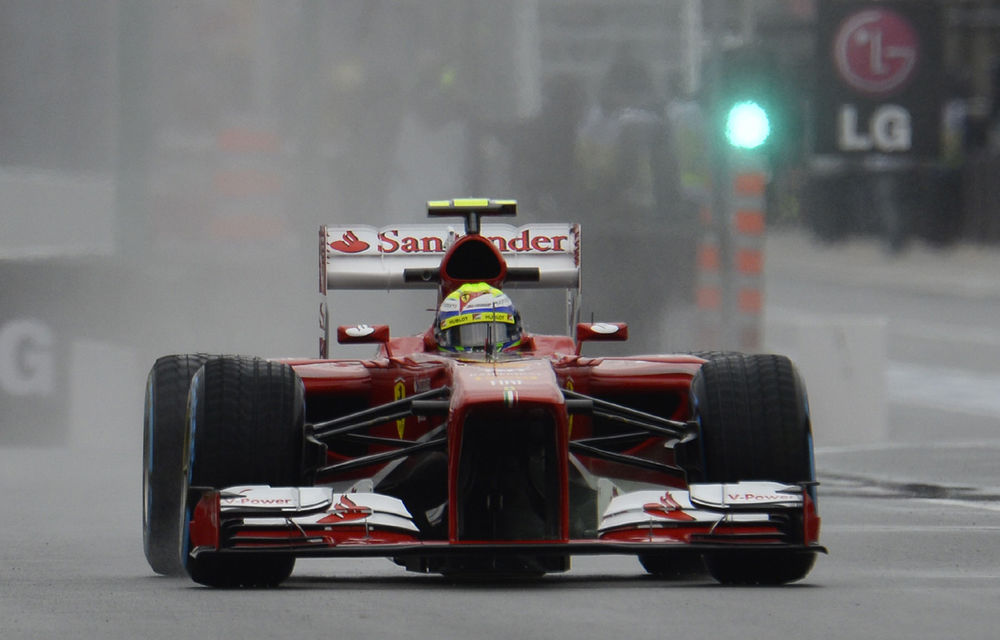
(246, 428)
(754, 419)
(164, 431)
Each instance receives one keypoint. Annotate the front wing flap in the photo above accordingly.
(735, 513)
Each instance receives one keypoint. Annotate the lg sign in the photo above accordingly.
(875, 52)
(27, 365)
(887, 130)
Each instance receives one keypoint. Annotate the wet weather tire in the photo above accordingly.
(246, 428)
(674, 566)
(164, 431)
(754, 420)
(759, 567)
(242, 571)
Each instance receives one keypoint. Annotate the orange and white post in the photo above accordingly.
(729, 292)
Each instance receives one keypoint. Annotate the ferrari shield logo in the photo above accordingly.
(398, 393)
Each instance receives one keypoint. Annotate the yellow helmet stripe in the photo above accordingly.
(479, 316)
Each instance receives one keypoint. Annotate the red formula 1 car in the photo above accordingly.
(477, 447)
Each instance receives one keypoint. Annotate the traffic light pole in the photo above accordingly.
(720, 201)
(733, 303)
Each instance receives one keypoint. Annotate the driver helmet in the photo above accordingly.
(475, 315)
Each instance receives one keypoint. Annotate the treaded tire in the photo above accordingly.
(754, 420)
(753, 414)
(714, 355)
(760, 567)
(246, 427)
(248, 571)
(164, 432)
(674, 566)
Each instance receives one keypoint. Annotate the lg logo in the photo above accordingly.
(876, 51)
(27, 362)
(888, 130)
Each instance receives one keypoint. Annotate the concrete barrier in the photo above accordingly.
(843, 361)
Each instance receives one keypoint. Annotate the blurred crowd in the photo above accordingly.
(614, 163)
(620, 158)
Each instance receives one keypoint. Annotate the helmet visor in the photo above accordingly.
(479, 336)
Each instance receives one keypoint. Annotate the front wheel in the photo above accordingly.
(754, 419)
(246, 427)
(760, 567)
(674, 565)
(164, 429)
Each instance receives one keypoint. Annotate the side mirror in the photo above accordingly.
(600, 332)
(363, 334)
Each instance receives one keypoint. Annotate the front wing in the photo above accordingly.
(317, 521)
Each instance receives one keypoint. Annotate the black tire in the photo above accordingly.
(759, 567)
(714, 355)
(681, 566)
(164, 431)
(688, 454)
(754, 421)
(247, 571)
(674, 566)
(246, 428)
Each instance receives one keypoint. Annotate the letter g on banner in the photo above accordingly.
(27, 364)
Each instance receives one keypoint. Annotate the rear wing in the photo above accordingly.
(407, 256)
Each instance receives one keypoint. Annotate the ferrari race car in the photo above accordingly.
(476, 448)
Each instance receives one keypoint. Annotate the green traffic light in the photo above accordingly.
(747, 125)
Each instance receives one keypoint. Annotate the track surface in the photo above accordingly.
(905, 562)
(912, 526)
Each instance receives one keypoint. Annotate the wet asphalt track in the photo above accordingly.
(913, 527)
(907, 561)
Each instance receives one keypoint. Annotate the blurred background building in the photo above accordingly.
(164, 167)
